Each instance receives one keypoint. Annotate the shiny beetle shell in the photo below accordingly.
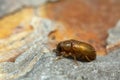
(77, 50)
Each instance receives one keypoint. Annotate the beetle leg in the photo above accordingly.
(87, 58)
(75, 60)
(54, 50)
(66, 54)
(61, 56)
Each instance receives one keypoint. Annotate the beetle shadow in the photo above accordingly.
(81, 60)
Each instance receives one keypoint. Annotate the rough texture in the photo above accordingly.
(38, 62)
(104, 68)
(31, 52)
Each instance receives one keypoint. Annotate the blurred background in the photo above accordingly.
(84, 20)
(31, 29)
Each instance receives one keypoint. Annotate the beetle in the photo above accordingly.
(76, 50)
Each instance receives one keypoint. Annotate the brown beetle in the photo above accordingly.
(76, 50)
